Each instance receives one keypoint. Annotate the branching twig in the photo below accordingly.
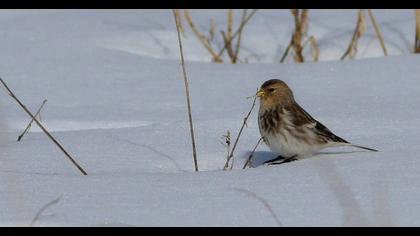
(301, 27)
(239, 134)
(227, 36)
(378, 32)
(35, 219)
(238, 31)
(201, 37)
(30, 123)
(248, 161)
(187, 93)
(358, 32)
(238, 42)
(43, 128)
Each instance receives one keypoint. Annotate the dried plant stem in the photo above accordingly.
(227, 36)
(238, 43)
(227, 144)
(358, 32)
(314, 48)
(187, 93)
(238, 31)
(239, 134)
(248, 161)
(417, 40)
(30, 123)
(378, 32)
(43, 128)
(39, 213)
(286, 52)
(300, 27)
(201, 37)
(300, 31)
(178, 16)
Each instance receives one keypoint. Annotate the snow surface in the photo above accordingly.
(116, 102)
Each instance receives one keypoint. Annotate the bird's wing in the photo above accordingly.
(302, 118)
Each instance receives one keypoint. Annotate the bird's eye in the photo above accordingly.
(270, 90)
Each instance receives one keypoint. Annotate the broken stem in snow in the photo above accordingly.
(248, 162)
(43, 128)
(39, 213)
(30, 123)
(187, 91)
(239, 134)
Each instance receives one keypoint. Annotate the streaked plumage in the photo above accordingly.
(288, 129)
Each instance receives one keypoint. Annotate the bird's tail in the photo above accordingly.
(366, 148)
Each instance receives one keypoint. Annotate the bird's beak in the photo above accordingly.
(260, 93)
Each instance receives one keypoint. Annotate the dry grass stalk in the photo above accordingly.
(239, 134)
(238, 43)
(245, 19)
(39, 213)
(187, 92)
(203, 39)
(212, 30)
(263, 201)
(227, 36)
(417, 40)
(378, 32)
(178, 16)
(11, 94)
(314, 48)
(248, 161)
(358, 32)
(300, 32)
(227, 143)
(30, 123)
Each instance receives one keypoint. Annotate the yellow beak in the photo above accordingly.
(260, 93)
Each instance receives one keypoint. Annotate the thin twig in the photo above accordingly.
(30, 123)
(43, 128)
(239, 134)
(286, 52)
(378, 32)
(263, 201)
(201, 37)
(228, 44)
(300, 31)
(239, 30)
(238, 42)
(358, 32)
(178, 16)
(314, 48)
(38, 214)
(248, 162)
(187, 93)
(417, 40)
(227, 143)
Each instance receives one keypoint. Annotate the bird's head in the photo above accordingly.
(274, 92)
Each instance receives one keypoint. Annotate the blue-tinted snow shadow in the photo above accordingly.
(259, 157)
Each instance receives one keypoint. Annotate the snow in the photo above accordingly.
(116, 102)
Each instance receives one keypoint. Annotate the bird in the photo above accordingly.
(287, 129)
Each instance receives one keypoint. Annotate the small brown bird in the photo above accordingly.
(288, 129)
